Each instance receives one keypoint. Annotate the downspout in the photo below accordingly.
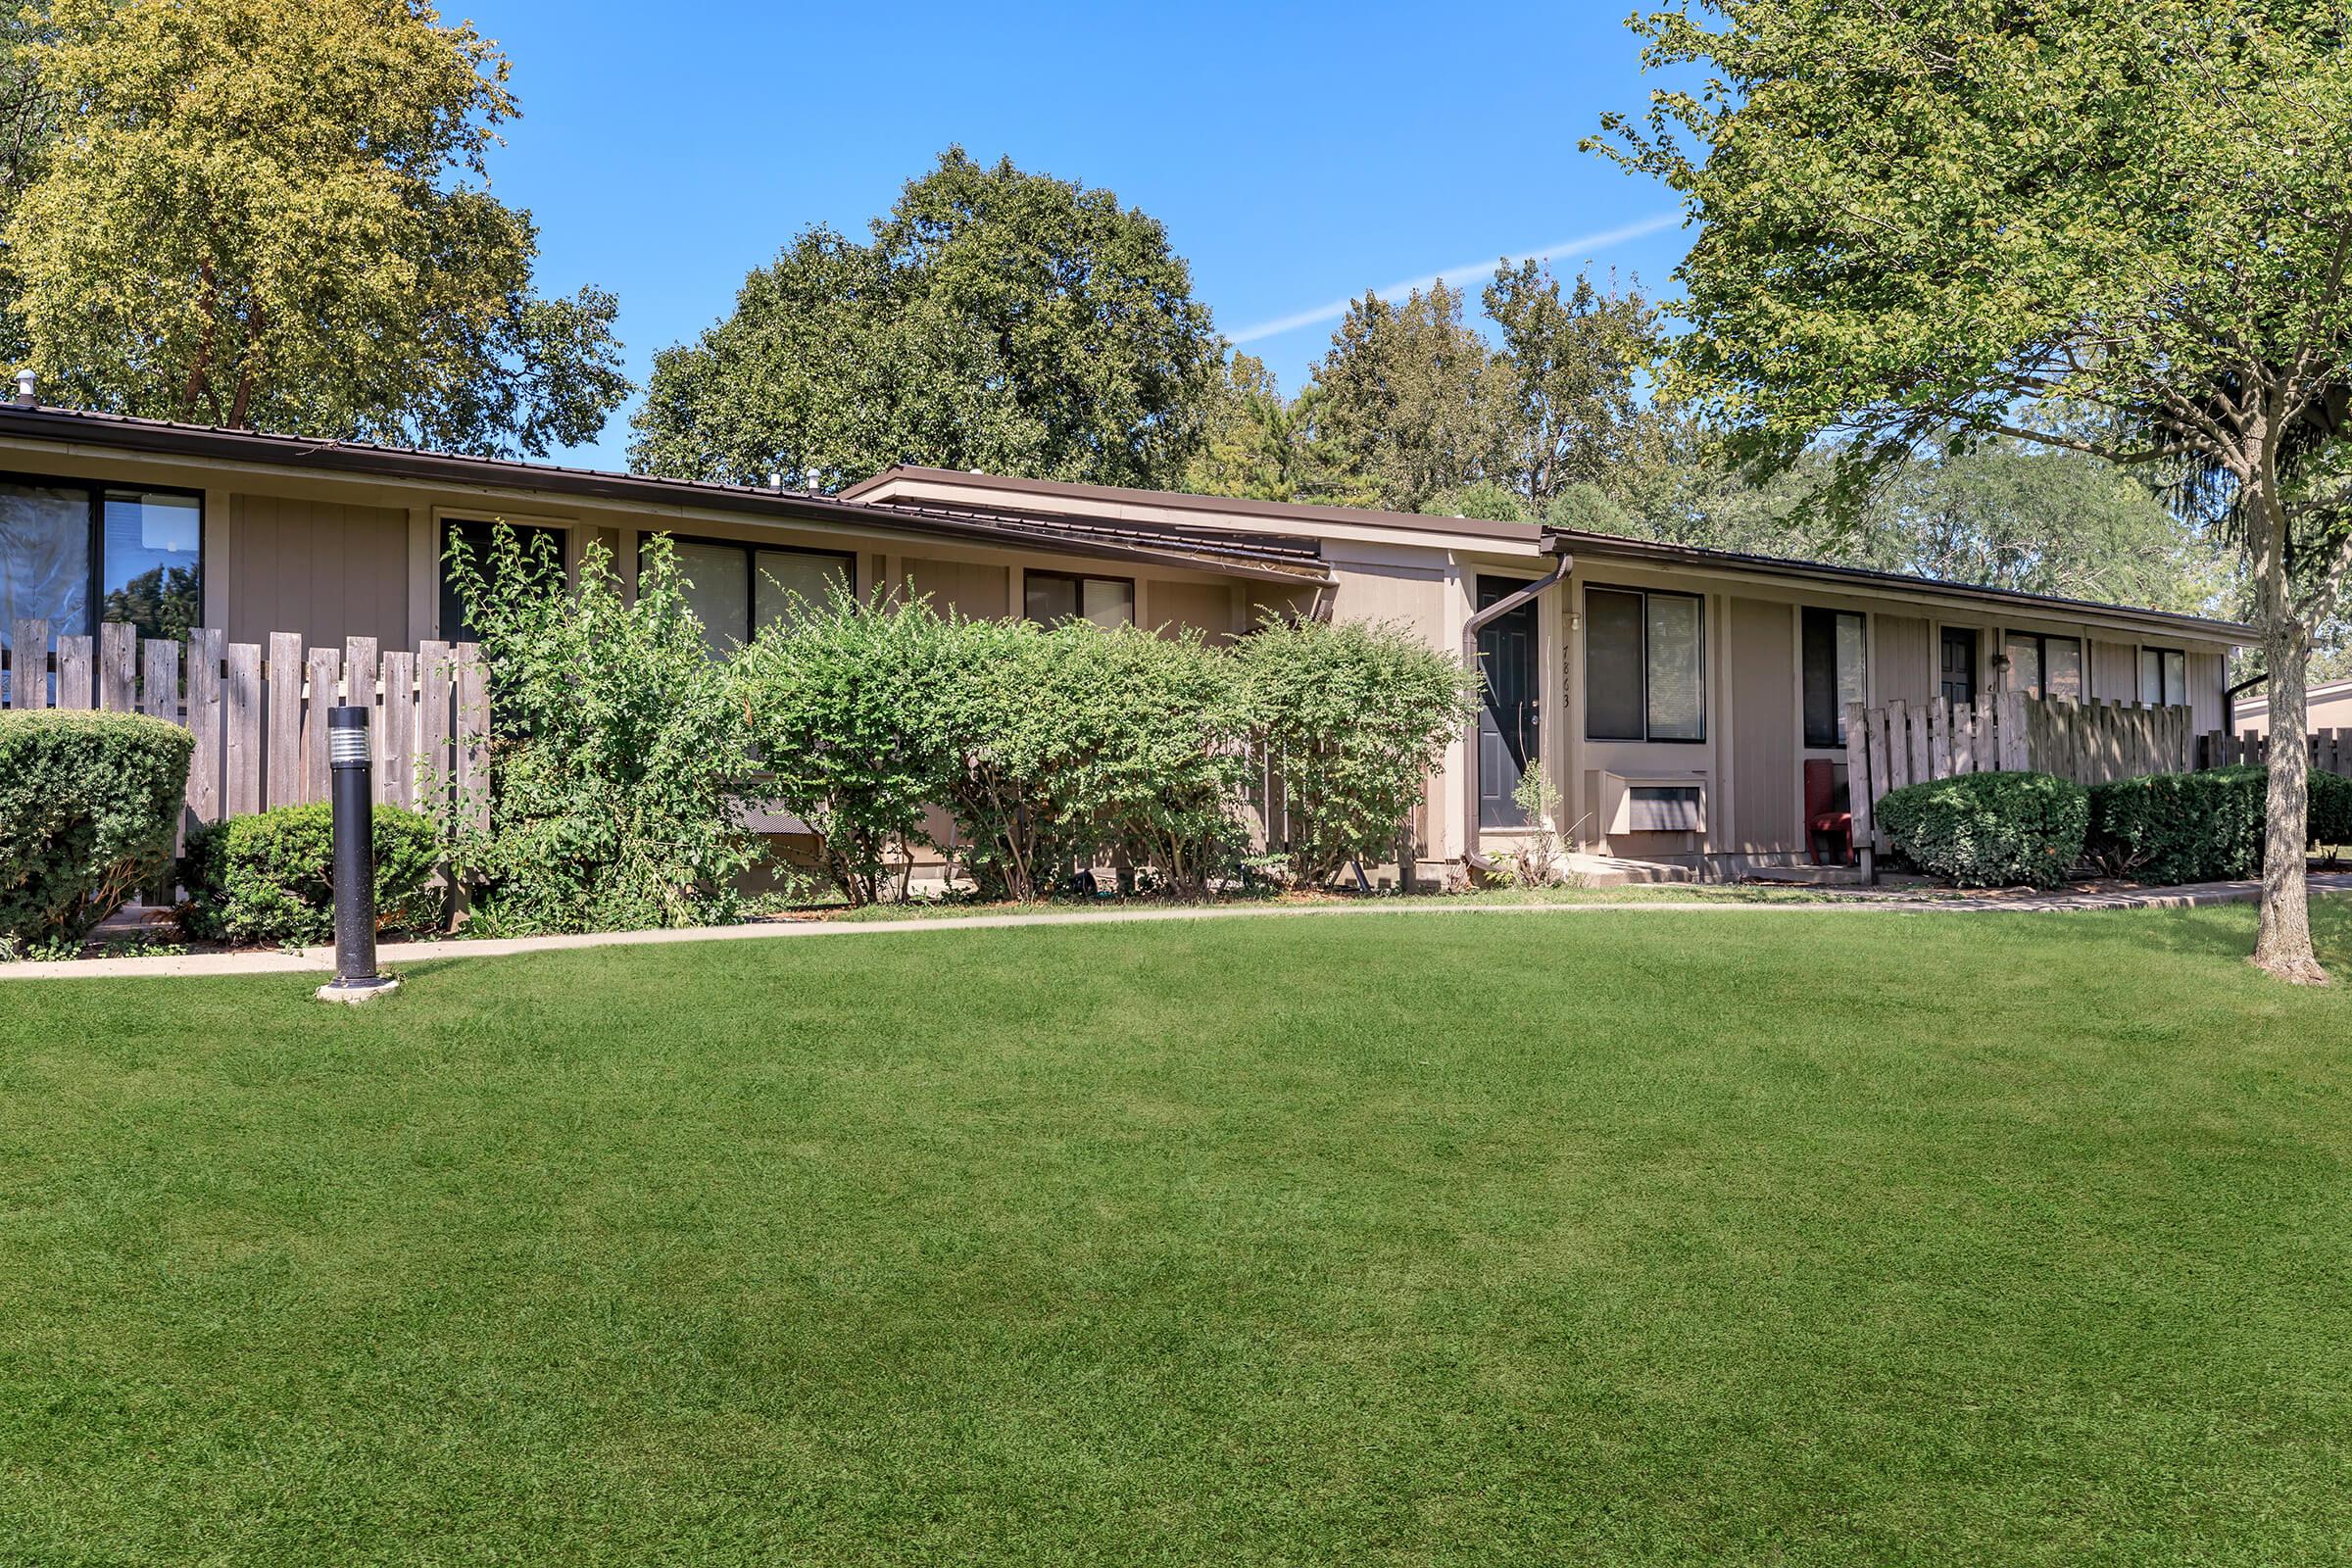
(1564, 563)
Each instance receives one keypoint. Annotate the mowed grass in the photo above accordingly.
(1746, 1237)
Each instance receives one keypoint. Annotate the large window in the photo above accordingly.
(2162, 677)
(735, 588)
(2044, 666)
(1644, 665)
(1050, 596)
(1834, 674)
(133, 556)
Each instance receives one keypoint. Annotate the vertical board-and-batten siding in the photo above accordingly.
(1907, 650)
(320, 570)
(2206, 679)
(1767, 778)
(2115, 672)
(973, 589)
(1202, 607)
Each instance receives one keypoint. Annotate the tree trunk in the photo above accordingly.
(2282, 942)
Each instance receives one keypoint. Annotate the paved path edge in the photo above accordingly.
(322, 959)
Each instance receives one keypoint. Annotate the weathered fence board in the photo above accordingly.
(259, 725)
(2090, 743)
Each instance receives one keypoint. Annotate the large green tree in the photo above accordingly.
(1919, 221)
(997, 320)
(268, 212)
(1407, 403)
(1570, 404)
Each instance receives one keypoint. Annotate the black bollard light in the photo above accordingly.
(351, 771)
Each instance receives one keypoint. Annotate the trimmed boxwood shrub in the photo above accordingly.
(269, 878)
(1989, 830)
(2201, 827)
(88, 803)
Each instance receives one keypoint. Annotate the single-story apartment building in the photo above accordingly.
(1674, 693)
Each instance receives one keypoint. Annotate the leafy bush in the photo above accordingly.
(88, 803)
(621, 755)
(269, 878)
(1979, 830)
(1355, 716)
(2202, 827)
(1072, 742)
(848, 709)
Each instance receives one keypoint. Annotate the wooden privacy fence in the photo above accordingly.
(2331, 750)
(2090, 743)
(259, 724)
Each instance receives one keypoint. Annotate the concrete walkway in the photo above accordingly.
(395, 954)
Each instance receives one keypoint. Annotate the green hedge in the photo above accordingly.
(1985, 830)
(2201, 827)
(269, 878)
(89, 803)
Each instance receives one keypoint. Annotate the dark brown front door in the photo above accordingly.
(1959, 665)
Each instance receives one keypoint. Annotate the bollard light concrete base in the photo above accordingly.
(358, 990)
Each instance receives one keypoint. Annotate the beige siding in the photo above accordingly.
(1906, 660)
(1177, 607)
(2205, 684)
(2115, 672)
(1413, 596)
(318, 568)
(975, 590)
(1767, 782)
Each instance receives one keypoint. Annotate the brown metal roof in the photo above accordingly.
(1698, 555)
(1281, 561)
(1519, 533)
(1213, 506)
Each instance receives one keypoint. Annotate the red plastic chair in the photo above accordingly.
(1828, 811)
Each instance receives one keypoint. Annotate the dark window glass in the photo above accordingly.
(479, 537)
(2045, 667)
(1834, 674)
(2162, 677)
(1644, 665)
(1048, 597)
(1613, 665)
(735, 588)
(153, 555)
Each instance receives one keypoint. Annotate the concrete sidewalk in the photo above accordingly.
(321, 960)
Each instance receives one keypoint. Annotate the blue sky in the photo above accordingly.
(1297, 155)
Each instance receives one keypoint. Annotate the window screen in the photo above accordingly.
(2045, 667)
(719, 590)
(1644, 665)
(1613, 701)
(1834, 674)
(790, 584)
(2162, 677)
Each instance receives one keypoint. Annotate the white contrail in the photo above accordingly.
(1339, 308)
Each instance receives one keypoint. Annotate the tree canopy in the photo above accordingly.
(997, 319)
(1919, 221)
(270, 213)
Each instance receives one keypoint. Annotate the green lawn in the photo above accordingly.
(1751, 1236)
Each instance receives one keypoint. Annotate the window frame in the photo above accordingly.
(1079, 581)
(1645, 738)
(2165, 697)
(95, 524)
(751, 549)
(2041, 641)
(1803, 677)
(444, 521)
